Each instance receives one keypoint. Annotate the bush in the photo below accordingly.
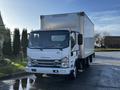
(4, 62)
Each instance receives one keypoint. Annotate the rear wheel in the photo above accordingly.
(88, 62)
(84, 61)
(91, 58)
(93, 55)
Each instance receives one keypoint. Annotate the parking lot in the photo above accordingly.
(103, 74)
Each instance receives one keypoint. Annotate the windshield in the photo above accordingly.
(49, 39)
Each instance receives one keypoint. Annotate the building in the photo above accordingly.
(112, 41)
(2, 34)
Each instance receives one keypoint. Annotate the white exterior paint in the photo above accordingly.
(61, 71)
(48, 54)
(77, 22)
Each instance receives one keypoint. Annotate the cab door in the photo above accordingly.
(73, 47)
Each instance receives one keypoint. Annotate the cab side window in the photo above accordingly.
(73, 39)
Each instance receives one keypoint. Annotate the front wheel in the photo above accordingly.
(73, 74)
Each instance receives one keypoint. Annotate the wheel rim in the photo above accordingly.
(75, 73)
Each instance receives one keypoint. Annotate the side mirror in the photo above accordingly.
(71, 53)
(80, 39)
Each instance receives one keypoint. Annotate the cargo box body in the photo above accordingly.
(78, 22)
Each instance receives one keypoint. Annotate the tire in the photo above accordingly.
(88, 62)
(73, 74)
(93, 55)
(78, 65)
(84, 67)
(91, 58)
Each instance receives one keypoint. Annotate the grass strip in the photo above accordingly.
(107, 49)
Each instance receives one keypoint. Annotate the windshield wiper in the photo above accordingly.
(45, 48)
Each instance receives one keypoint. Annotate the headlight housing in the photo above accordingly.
(65, 62)
(29, 61)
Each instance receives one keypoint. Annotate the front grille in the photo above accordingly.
(46, 63)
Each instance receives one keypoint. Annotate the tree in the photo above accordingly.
(98, 39)
(104, 34)
(24, 41)
(16, 42)
(7, 49)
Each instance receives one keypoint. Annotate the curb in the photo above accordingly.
(14, 75)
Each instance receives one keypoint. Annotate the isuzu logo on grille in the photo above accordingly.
(56, 62)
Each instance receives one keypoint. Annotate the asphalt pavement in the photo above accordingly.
(103, 74)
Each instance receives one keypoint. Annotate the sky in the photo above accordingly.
(105, 14)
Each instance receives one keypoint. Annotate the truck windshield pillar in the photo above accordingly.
(73, 39)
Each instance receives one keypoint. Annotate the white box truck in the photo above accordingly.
(64, 45)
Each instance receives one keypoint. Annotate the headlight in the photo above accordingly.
(65, 62)
(29, 61)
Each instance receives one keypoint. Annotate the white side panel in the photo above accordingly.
(82, 31)
(88, 36)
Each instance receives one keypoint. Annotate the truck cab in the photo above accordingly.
(53, 52)
(63, 45)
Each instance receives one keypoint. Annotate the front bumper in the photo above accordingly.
(59, 71)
